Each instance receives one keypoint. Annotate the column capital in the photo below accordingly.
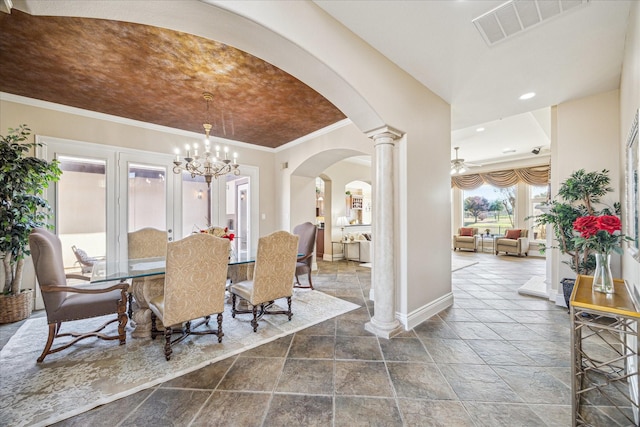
(384, 133)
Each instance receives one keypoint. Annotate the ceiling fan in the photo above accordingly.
(459, 166)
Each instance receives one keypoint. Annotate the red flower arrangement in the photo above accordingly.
(220, 232)
(599, 233)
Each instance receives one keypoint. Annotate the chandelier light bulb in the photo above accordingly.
(208, 167)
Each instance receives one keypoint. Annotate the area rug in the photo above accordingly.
(95, 372)
(536, 286)
(457, 264)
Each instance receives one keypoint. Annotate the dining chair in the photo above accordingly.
(307, 233)
(145, 243)
(194, 287)
(63, 302)
(273, 275)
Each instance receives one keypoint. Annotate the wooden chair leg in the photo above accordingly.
(53, 327)
(167, 343)
(233, 305)
(310, 283)
(220, 333)
(254, 321)
(289, 313)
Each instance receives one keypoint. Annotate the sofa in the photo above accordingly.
(358, 246)
(467, 238)
(515, 241)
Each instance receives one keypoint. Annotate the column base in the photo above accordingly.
(386, 330)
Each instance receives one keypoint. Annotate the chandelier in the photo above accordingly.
(210, 166)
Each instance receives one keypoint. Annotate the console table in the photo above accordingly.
(604, 352)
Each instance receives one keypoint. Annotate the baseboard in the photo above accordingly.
(425, 312)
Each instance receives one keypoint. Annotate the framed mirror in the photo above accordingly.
(633, 189)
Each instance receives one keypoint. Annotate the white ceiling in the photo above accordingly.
(568, 57)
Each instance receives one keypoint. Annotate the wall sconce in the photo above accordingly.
(199, 194)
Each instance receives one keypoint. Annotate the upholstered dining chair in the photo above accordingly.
(194, 287)
(273, 275)
(307, 233)
(65, 303)
(145, 243)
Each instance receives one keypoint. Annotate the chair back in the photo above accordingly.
(306, 233)
(275, 267)
(195, 278)
(46, 253)
(147, 243)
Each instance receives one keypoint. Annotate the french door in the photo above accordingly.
(148, 190)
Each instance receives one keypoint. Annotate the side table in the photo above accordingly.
(491, 238)
(604, 352)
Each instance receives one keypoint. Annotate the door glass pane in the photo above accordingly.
(196, 204)
(81, 208)
(239, 212)
(147, 197)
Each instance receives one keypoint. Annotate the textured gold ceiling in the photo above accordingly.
(157, 76)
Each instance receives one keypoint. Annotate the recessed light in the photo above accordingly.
(508, 150)
(528, 95)
(480, 130)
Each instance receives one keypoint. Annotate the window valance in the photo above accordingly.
(535, 175)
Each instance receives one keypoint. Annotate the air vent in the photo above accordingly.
(516, 16)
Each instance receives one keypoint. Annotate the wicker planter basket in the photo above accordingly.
(16, 307)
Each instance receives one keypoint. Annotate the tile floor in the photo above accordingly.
(495, 358)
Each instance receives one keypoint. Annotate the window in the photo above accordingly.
(489, 208)
(537, 196)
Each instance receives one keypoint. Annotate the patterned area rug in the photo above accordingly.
(95, 372)
(457, 264)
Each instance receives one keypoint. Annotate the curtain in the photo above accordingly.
(535, 175)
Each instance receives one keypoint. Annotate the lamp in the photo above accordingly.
(341, 222)
(209, 167)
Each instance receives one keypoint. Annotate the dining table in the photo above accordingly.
(147, 282)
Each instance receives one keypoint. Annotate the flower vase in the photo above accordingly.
(602, 277)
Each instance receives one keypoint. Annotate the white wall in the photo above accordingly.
(586, 132)
(629, 104)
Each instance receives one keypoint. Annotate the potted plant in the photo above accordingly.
(578, 196)
(22, 208)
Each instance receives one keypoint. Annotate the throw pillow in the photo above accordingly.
(466, 231)
(367, 236)
(513, 234)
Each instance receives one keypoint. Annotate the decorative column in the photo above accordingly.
(384, 323)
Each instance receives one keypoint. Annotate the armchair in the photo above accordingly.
(306, 244)
(65, 303)
(515, 241)
(273, 275)
(467, 238)
(194, 287)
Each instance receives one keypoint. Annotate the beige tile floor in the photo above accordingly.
(495, 358)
